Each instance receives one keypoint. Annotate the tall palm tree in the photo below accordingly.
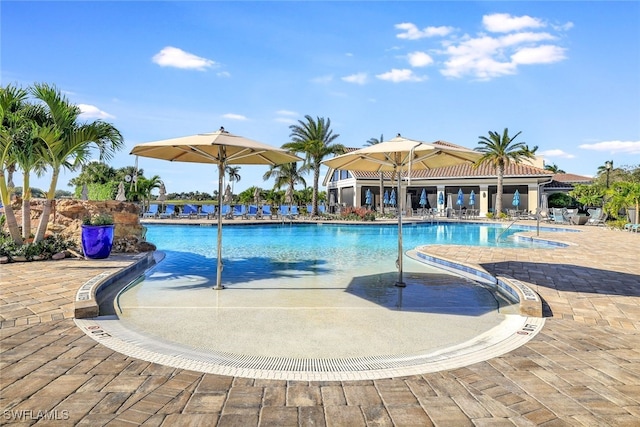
(314, 139)
(12, 127)
(234, 176)
(500, 152)
(68, 143)
(553, 168)
(286, 174)
(374, 141)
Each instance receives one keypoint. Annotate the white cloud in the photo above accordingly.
(174, 57)
(539, 55)
(358, 78)
(411, 31)
(614, 147)
(397, 76)
(223, 74)
(556, 153)
(232, 116)
(91, 111)
(286, 120)
(323, 79)
(419, 59)
(286, 113)
(505, 23)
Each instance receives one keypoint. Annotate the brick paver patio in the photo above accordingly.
(583, 368)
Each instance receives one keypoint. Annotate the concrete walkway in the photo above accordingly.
(583, 368)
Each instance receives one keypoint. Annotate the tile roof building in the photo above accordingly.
(348, 188)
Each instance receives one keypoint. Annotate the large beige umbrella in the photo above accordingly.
(401, 155)
(221, 148)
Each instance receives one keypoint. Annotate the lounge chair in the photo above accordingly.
(226, 212)
(152, 212)
(558, 216)
(266, 211)
(207, 211)
(294, 213)
(596, 217)
(284, 211)
(188, 211)
(169, 212)
(240, 211)
(254, 212)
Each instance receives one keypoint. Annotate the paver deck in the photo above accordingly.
(583, 368)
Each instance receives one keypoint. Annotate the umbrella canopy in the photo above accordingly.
(385, 200)
(221, 148)
(516, 199)
(367, 197)
(472, 198)
(256, 195)
(121, 197)
(441, 198)
(460, 200)
(163, 192)
(392, 198)
(423, 198)
(401, 154)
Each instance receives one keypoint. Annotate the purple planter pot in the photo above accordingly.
(97, 240)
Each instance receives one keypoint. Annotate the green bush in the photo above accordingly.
(44, 249)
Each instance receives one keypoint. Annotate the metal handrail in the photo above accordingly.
(505, 230)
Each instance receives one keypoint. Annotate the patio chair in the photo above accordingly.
(207, 211)
(266, 212)
(152, 212)
(558, 216)
(240, 211)
(226, 212)
(294, 213)
(284, 211)
(596, 217)
(188, 211)
(169, 212)
(254, 212)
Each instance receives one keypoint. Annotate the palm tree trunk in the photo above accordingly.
(12, 223)
(499, 191)
(46, 209)
(26, 206)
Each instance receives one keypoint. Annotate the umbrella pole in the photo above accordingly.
(400, 283)
(219, 265)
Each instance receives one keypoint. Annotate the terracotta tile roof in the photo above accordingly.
(569, 177)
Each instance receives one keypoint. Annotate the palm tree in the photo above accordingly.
(553, 168)
(12, 100)
(144, 188)
(234, 176)
(500, 152)
(374, 141)
(286, 174)
(314, 139)
(67, 143)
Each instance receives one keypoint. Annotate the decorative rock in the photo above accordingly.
(59, 255)
(19, 258)
(4, 260)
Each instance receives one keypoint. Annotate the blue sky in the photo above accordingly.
(565, 74)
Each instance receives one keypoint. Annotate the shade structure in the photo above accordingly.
(460, 200)
(401, 155)
(385, 200)
(121, 197)
(392, 197)
(367, 197)
(516, 199)
(423, 198)
(441, 198)
(256, 195)
(472, 198)
(227, 196)
(221, 148)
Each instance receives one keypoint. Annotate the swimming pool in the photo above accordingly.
(315, 295)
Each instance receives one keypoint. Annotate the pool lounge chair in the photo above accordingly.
(284, 211)
(596, 217)
(152, 212)
(207, 211)
(266, 211)
(558, 216)
(240, 211)
(254, 212)
(226, 212)
(188, 211)
(169, 212)
(294, 213)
